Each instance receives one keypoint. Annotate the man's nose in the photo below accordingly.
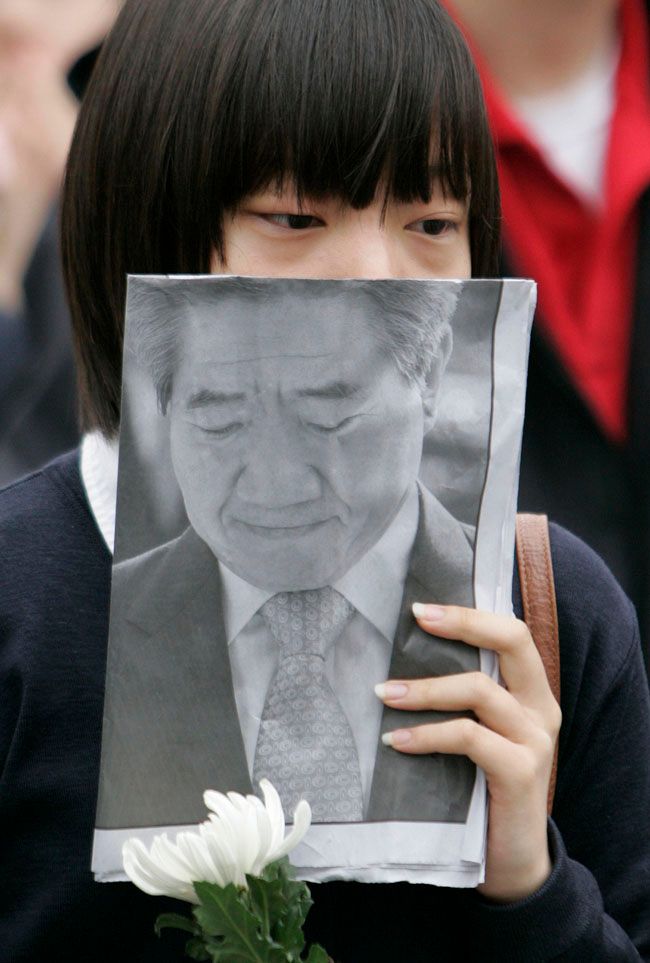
(276, 472)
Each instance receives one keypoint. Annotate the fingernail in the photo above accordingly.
(399, 737)
(391, 690)
(428, 613)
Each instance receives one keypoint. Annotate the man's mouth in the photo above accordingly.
(282, 531)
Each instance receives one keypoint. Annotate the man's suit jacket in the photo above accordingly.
(171, 728)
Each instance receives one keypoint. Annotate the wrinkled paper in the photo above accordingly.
(280, 436)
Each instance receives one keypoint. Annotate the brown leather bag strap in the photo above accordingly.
(540, 607)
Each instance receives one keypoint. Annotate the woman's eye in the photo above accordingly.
(434, 227)
(296, 222)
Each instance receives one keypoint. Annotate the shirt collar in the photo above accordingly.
(374, 585)
(98, 465)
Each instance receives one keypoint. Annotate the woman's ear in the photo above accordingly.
(431, 390)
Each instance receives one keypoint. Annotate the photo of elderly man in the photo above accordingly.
(249, 646)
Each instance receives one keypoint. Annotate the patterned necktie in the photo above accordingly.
(305, 744)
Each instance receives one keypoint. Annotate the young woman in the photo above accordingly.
(311, 138)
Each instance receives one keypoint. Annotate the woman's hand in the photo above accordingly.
(512, 740)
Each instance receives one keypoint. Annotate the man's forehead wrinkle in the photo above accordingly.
(268, 357)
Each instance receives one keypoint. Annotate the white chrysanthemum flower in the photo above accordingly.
(241, 836)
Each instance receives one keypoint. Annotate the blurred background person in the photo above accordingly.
(568, 91)
(39, 41)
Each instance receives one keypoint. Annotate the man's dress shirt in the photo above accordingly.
(354, 664)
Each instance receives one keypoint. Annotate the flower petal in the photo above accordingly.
(273, 806)
(152, 878)
(241, 836)
(301, 823)
(265, 839)
(221, 848)
(249, 840)
(169, 860)
(223, 807)
(205, 869)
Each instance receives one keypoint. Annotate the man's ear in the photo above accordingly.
(434, 378)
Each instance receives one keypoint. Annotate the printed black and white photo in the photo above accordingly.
(282, 503)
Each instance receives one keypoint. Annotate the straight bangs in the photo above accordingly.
(193, 106)
(351, 100)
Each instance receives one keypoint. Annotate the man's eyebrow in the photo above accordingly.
(332, 390)
(207, 396)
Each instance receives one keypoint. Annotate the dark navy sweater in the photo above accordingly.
(54, 595)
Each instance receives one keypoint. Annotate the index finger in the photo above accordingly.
(520, 663)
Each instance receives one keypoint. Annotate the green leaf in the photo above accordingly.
(223, 913)
(280, 869)
(267, 901)
(317, 955)
(282, 902)
(228, 954)
(261, 924)
(196, 950)
(295, 891)
(177, 922)
(288, 932)
(289, 929)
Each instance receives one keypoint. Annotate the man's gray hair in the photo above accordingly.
(409, 318)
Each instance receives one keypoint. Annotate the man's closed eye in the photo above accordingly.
(329, 429)
(223, 431)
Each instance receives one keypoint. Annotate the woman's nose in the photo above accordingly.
(362, 248)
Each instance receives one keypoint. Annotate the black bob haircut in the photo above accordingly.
(194, 105)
